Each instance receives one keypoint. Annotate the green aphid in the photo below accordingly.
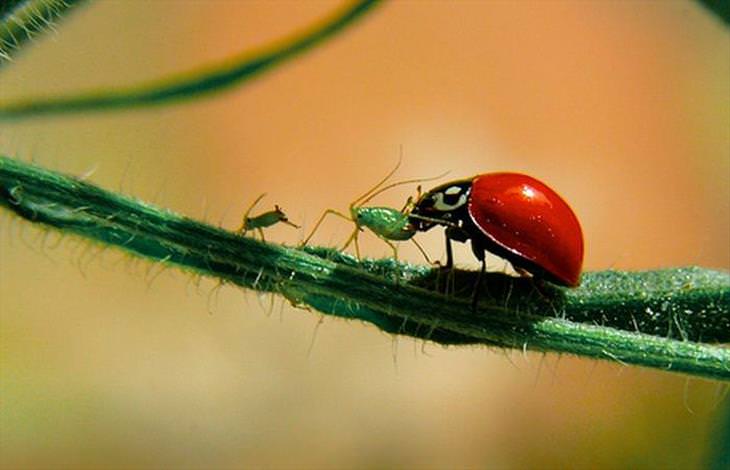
(260, 222)
(387, 223)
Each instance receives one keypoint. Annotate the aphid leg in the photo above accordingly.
(314, 336)
(321, 219)
(353, 238)
(356, 242)
(260, 231)
(423, 252)
(392, 247)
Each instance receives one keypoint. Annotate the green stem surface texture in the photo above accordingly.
(195, 83)
(673, 319)
(23, 20)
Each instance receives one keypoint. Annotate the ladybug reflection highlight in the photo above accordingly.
(512, 215)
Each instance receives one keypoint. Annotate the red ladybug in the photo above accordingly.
(511, 215)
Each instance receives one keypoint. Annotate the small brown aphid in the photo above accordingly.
(260, 222)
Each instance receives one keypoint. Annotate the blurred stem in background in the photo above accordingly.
(21, 19)
(204, 80)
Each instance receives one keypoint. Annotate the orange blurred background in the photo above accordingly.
(622, 107)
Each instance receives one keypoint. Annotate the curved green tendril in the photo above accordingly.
(208, 79)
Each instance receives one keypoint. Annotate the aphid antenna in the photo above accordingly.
(253, 204)
(379, 188)
(396, 184)
(375, 189)
(244, 224)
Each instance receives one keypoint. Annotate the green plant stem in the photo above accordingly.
(207, 79)
(667, 319)
(23, 20)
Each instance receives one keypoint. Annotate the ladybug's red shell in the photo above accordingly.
(529, 220)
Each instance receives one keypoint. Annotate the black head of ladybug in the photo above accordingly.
(443, 205)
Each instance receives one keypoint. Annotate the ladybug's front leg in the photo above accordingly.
(457, 234)
(452, 233)
(449, 254)
(480, 253)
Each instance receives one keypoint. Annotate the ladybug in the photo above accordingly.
(511, 215)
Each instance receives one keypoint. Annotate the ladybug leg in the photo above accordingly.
(453, 233)
(444, 269)
(480, 254)
(449, 254)
(537, 281)
(477, 287)
(459, 235)
(542, 290)
(450, 286)
(521, 271)
(448, 268)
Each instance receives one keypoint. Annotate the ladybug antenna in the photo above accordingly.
(411, 201)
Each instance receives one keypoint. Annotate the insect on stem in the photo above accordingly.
(260, 222)
(387, 223)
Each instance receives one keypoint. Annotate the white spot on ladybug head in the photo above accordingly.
(452, 190)
(450, 199)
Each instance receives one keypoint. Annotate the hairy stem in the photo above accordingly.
(669, 319)
(22, 20)
(207, 79)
